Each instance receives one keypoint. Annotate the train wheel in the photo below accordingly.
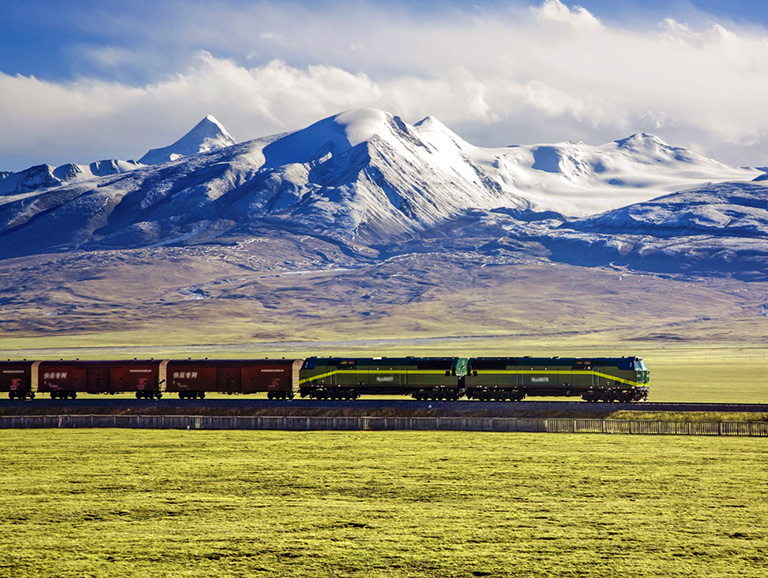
(201, 395)
(31, 395)
(139, 395)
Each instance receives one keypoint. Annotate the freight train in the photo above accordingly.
(624, 379)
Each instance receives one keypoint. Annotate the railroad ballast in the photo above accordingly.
(593, 379)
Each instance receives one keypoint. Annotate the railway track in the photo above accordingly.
(246, 406)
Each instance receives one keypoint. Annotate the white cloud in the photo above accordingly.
(498, 77)
(556, 11)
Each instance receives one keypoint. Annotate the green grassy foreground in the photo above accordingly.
(178, 503)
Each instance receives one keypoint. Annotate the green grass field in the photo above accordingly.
(170, 503)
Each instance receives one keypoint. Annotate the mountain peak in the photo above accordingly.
(362, 124)
(336, 134)
(207, 135)
(431, 125)
(641, 140)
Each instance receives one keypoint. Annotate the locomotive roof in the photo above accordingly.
(408, 360)
(556, 360)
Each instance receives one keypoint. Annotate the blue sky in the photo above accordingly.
(51, 38)
(88, 79)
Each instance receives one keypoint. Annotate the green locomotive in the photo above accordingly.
(623, 379)
(594, 379)
(435, 378)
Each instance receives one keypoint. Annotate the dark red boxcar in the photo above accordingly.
(16, 378)
(195, 377)
(65, 379)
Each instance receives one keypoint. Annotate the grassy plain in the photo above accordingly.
(169, 503)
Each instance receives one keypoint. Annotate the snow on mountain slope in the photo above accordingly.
(45, 176)
(361, 176)
(206, 136)
(375, 175)
(714, 228)
(575, 179)
(578, 179)
(734, 209)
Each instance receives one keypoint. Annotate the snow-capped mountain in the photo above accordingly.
(578, 179)
(725, 209)
(46, 177)
(206, 136)
(716, 228)
(362, 174)
(363, 177)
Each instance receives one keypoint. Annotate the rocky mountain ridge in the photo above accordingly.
(373, 184)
